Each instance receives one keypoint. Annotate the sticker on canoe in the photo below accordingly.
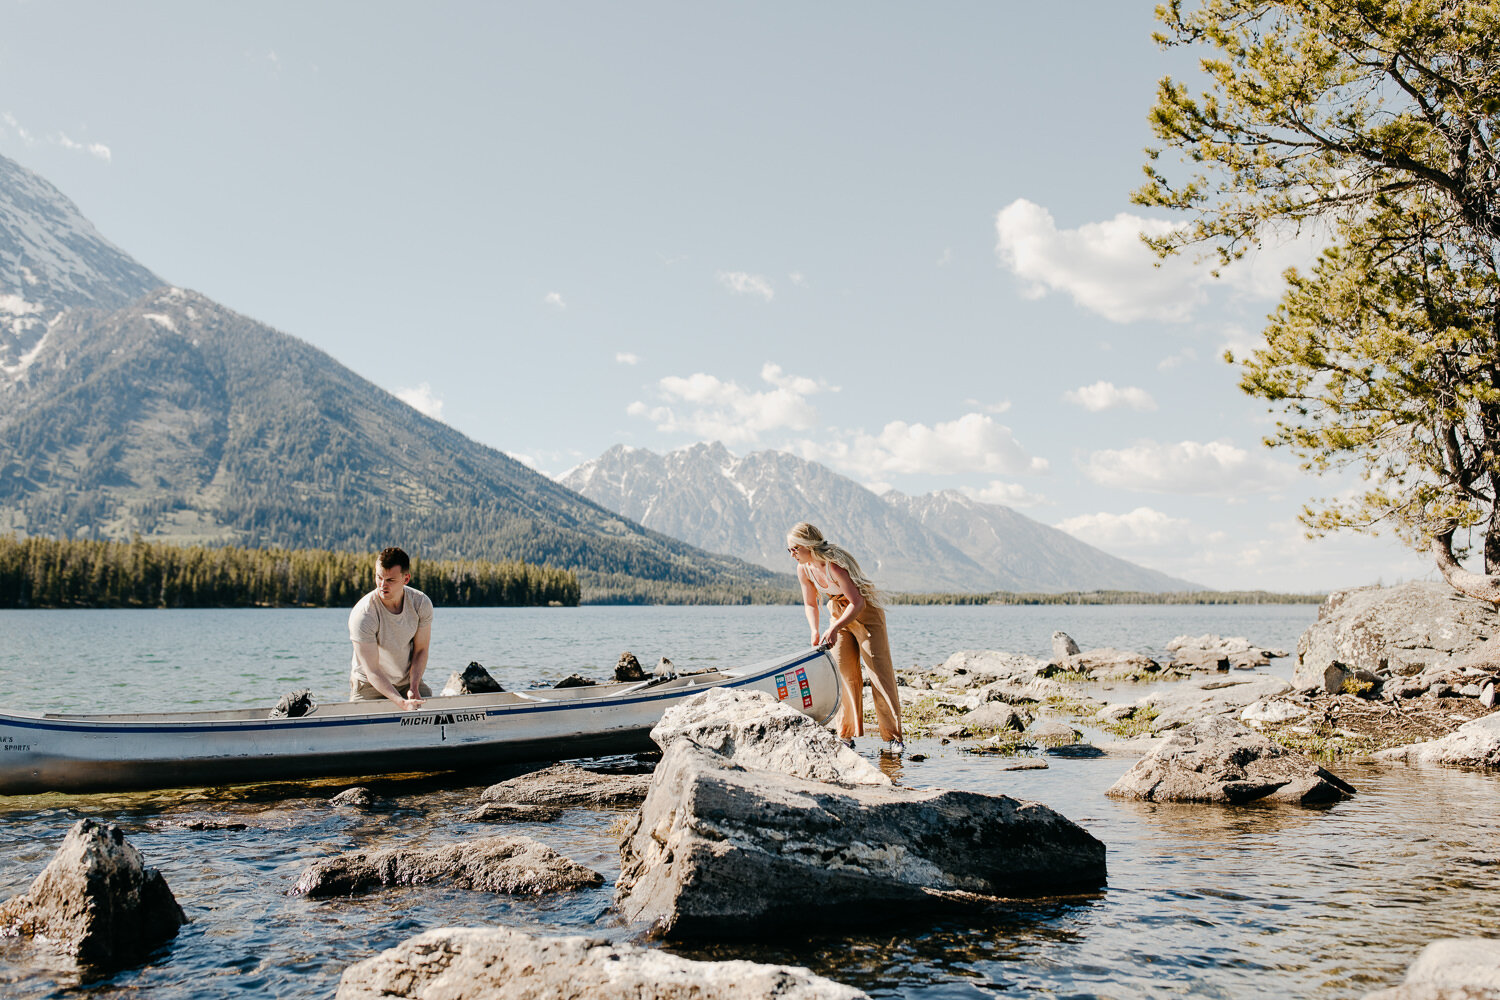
(442, 719)
(804, 688)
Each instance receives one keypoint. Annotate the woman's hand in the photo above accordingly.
(828, 637)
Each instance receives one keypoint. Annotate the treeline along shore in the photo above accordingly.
(57, 573)
(81, 573)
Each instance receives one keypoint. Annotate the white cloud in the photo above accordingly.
(1217, 468)
(1106, 268)
(798, 279)
(1106, 396)
(527, 460)
(1001, 407)
(555, 300)
(626, 358)
(422, 400)
(1182, 357)
(747, 284)
(95, 149)
(16, 127)
(1004, 494)
(708, 407)
(972, 443)
(1141, 530)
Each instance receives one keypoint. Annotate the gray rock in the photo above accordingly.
(473, 679)
(1416, 628)
(513, 865)
(752, 729)
(513, 812)
(1052, 732)
(496, 963)
(993, 715)
(628, 668)
(1200, 697)
(718, 851)
(1221, 761)
(570, 785)
(1450, 969)
(665, 670)
(1063, 646)
(1473, 744)
(1273, 711)
(358, 797)
(96, 901)
(1111, 664)
(1212, 652)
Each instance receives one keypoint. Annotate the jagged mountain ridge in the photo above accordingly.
(51, 258)
(940, 542)
(175, 418)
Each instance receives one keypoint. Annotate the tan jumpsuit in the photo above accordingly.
(865, 636)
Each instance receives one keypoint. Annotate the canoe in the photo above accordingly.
(115, 752)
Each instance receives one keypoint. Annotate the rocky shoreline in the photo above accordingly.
(756, 821)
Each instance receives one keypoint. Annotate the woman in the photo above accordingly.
(857, 628)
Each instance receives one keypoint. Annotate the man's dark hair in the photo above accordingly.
(392, 557)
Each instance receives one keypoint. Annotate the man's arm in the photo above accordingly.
(419, 644)
(369, 661)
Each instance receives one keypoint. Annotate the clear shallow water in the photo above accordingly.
(1201, 902)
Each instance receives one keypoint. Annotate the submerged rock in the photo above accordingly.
(513, 865)
(1212, 652)
(570, 785)
(1219, 760)
(358, 797)
(96, 901)
(496, 963)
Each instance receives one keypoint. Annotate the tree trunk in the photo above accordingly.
(1483, 586)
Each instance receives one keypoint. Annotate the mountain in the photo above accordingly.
(164, 414)
(935, 543)
(52, 258)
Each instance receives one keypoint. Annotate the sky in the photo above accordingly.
(893, 238)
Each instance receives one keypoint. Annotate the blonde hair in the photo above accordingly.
(824, 551)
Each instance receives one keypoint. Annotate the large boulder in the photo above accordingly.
(718, 851)
(96, 901)
(1450, 969)
(513, 865)
(1417, 629)
(754, 730)
(1220, 760)
(570, 785)
(497, 963)
(1473, 744)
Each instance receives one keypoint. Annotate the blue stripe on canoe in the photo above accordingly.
(249, 725)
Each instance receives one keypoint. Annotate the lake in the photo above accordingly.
(1200, 901)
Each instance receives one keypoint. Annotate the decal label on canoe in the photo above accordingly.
(781, 687)
(442, 719)
(806, 688)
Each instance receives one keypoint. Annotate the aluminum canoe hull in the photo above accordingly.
(95, 753)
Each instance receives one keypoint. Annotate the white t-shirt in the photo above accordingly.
(371, 621)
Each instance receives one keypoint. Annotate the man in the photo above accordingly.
(391, 628)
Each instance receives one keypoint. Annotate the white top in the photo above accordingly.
(371, 621)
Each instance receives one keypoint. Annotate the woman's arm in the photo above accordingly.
(809, 601)
(844, 583)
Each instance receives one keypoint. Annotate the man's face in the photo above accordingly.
(390, 582)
